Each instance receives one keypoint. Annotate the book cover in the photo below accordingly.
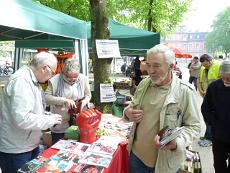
(167, 134)
(105, 145)
(48, 168)
(115, 126)
(83, 168)
(33, 165)
(71, 145)
(96, 159)
(60, 162)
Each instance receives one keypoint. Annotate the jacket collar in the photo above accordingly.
(173, 93)
(33, 77)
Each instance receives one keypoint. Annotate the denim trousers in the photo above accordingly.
(56, 137)
(137, 166)
(10, 163)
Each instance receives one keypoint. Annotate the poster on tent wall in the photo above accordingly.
(107, 49)
(107, 93)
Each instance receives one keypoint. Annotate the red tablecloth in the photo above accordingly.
(119, 163)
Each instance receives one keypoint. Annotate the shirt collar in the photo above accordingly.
(166, 87)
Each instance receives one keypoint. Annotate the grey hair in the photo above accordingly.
(225, 66)
(168, 54)
(71, 65)
(43, 58)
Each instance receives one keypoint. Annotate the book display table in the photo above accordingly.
(108, 154)
(119, 161)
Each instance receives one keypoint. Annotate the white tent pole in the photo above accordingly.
(83, 55)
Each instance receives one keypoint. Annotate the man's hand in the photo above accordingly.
(172, 145)
(70, 103)
(134, 115)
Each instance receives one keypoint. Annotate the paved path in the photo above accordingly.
(205, 152)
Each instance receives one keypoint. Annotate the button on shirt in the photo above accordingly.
(148, 128)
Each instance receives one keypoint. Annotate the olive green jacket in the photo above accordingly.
(179, 109)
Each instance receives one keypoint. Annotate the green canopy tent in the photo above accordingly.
(132, 41)
(33, 25)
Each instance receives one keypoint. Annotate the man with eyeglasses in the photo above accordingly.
(63, 91)
(22, 115)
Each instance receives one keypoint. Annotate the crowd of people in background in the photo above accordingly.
(194, 69)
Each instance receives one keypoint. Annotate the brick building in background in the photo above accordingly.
(191, 42)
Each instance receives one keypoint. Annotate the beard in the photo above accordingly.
(160, 80)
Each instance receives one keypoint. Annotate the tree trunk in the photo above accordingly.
(150, 21)
(149, 18)
(99, 30)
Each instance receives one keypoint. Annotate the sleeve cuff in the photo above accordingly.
(124, 116)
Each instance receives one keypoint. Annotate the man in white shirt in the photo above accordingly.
(22, 115)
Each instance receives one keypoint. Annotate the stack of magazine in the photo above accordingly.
(115, 126)
(65, 160)
(100, 153)
(76, 157)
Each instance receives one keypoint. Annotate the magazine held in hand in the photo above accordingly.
(166, 134)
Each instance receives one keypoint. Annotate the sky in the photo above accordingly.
(202, 13)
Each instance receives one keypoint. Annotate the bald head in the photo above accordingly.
(44, 58)
(43, 65)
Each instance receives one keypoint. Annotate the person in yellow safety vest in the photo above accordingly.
(209, 72)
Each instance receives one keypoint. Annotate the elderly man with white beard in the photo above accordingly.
(215, 109)
(161, 100)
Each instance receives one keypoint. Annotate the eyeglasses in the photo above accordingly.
(52, 72)
(71, 78)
